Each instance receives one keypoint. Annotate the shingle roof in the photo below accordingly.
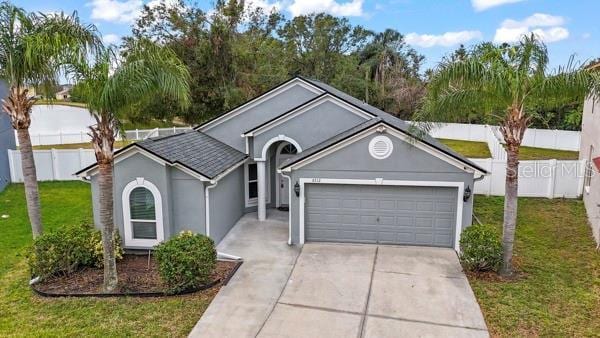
(194, 150)
(391, 120)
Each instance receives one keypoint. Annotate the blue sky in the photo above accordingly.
(434, 28)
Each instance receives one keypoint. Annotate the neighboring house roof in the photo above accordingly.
(192, 149)
(307, 153)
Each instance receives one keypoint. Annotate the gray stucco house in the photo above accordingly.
(346, 171)
(7, 141)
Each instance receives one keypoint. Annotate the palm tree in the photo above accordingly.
(33, 50)
(110, 86)
(504, 84)
(380, 55)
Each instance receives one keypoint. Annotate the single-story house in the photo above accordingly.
(345, 170)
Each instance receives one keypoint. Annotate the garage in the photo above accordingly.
(386, 214)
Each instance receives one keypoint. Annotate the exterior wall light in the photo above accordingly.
(467, 194)
(297, 189)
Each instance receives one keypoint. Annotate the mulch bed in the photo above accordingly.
(138, 276)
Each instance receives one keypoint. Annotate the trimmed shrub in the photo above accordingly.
(99, 248)
(187, 261)
(481, 248)
(65, 250)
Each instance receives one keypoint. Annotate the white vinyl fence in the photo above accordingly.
(549, 178)
(540, 138)
(82, 136)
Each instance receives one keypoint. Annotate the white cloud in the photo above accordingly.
(482, 5)
(547, 27)
(333, 7)
(111, 38)
(115, 11)
(447, 39)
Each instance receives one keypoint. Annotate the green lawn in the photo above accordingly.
(470, 149)
(559, 292)
(474, 149)
(25, 314)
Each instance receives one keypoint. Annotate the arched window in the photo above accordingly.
(142, 211)
(289, 149)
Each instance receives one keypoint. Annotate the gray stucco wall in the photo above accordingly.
(406, 163)
(7, 141)
(187, 203)
(229, 131)
(226, 203)
(311, 127)
(590, 149)
(182, 195)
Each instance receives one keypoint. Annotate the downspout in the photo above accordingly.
(207, 205)
(213, 184)
(290, 204)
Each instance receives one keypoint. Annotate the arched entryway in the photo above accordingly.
(284, 151)
(272, 185)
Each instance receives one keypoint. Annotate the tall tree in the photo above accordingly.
(503, 82)
(33, 50)
(109, 87)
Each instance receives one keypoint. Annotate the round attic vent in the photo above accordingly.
(381, 147)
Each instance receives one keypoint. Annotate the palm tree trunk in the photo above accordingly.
(105, 183)
(510, 209)
(32, 194)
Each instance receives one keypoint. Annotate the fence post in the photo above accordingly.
(552, 178)
(581, 176)
(11, 165)
(39, 139)
(60, 137)
(137, 134)
(81, 164)
(490, 168)
(54, 164)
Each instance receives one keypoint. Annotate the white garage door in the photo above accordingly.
(380, 214)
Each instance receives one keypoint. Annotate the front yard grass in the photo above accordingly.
(24, 314)
(474, 149)
(559, 292)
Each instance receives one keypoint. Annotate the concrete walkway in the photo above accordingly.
(241, 307)
(343, 290)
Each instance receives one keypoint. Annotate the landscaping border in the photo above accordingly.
(214, 283)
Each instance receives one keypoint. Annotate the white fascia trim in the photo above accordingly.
(277, 139)
(380, 181)
(259, 99)
(138, 150)
(392, 131)
(160, 231)
(304, 108)
(226, 172)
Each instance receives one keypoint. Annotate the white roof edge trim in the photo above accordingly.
(275, 91)
(393, 131)
(135, 149)
(306, 107)
(228, 171)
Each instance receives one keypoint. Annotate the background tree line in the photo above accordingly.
(234, 53)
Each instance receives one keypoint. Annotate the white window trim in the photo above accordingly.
(380, 181)
(160, 232)
(252, 202)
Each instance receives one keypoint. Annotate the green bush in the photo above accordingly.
(65, 250)
(187, 261)
(481, 248)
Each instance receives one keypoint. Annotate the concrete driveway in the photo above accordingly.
(343, 290)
